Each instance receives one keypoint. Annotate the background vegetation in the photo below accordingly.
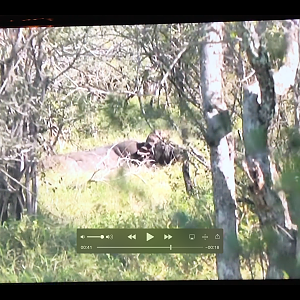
(108, 84)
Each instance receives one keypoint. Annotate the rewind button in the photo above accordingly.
(132, 236)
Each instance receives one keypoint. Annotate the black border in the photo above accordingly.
(9, 21)
(166, 282)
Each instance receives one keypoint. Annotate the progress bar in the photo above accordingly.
(170, 247)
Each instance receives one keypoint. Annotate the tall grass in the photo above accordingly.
(43, 249)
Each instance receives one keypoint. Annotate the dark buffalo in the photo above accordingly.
(163, 151)
(156, 150)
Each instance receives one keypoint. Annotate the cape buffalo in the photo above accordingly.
(156, 150)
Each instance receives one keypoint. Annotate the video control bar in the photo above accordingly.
(150, 240)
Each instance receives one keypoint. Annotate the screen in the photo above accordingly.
(149, 152)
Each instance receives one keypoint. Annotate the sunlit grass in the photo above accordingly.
(44, 249)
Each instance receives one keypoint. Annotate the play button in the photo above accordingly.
(149, 237)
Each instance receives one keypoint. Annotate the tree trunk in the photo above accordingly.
(220, 139)
(297, 102)
(22, 94)
(259, 108)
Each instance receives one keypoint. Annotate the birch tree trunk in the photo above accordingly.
(220, 139)
(259, 108)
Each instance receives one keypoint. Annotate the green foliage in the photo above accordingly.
(256, 140)
(291, 175)
(43, 250)
(293, 140)
(276, 46)
(120, 114)
(123, 116)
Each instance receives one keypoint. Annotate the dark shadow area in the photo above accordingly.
(182, 219)
(121, 114)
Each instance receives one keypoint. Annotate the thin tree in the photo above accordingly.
(219, 137)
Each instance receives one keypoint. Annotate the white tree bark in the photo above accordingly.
(221, 142)
(259, 108)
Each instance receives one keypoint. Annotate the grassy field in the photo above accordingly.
(44, 249)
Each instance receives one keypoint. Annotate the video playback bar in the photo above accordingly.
(149, 240)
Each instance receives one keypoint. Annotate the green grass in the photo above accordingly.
(44, 249)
